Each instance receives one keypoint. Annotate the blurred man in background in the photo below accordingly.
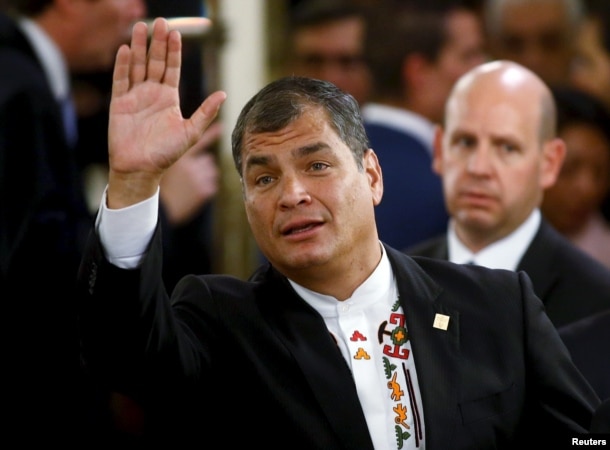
(538, 34)
(43, 215)
(326, 42)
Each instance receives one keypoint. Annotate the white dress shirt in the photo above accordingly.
(51, 58)
(503, 254)
(402, 120)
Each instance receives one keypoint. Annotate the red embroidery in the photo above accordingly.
(357, 336)
(398, 337)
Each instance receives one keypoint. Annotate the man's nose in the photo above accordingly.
(479, 161)
(293, 191)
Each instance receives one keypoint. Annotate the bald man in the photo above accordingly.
(496, 153)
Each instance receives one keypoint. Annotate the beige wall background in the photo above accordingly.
(242, 52)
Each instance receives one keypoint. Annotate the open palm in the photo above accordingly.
(147, 132)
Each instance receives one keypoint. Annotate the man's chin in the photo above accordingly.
(478, 221)
(300, 261)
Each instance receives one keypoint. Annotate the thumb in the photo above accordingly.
(207, 111)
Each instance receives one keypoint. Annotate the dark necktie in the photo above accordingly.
(68, 113)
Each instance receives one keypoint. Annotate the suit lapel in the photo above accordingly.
(435, 351)
(305, 334)
(538, 261)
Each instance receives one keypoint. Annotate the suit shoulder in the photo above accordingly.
(263, 278)
(217, 284)
(467, 287)
(432, 247)
(441, 269)
(571, 259)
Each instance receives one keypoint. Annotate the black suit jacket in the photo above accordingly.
(601, 419)
(571, 284)
(588, 340)
(250, 362)
(43, 222)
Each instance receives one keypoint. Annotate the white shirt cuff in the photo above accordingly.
(125, 233)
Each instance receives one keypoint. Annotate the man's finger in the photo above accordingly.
(157, 53)
(120, 74)
(174, 59)
(207, 111)
(139, 40)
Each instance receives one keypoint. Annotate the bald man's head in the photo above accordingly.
(507, 79)
(497, 151)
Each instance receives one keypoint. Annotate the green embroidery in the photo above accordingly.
(388, 367)
(401, 436)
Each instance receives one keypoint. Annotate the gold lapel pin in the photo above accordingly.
(441, 322)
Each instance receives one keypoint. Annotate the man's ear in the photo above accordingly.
(553, 156)
(415, 71)
(373, 171)
(437, 155)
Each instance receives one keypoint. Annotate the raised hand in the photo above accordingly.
(147, 132)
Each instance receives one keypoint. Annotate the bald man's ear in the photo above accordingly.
(437, 156)
(553, 155)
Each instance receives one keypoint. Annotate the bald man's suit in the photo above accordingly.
(570, 283)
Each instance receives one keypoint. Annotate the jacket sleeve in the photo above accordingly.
(560, 399)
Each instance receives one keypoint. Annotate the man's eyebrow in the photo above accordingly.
(264, 160)
(257, 160)
(309, 149)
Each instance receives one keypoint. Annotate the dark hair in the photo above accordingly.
(599, 11)
(396, 30)
(283, 101)
(577, 106)
(493, 11)
(309, 13)
(28, 7)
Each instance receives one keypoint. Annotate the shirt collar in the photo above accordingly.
(49, 55)
(375, 287)
(400, 119)
(503, 254)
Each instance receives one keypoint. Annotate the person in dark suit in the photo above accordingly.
(43, 215)
(496, 153)
(339, 341)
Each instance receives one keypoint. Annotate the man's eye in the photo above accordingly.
(507, 147)
(345, 62)
(317, 166)
(513, 43)
(465, 141)
(312, 60)
(264, 180)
